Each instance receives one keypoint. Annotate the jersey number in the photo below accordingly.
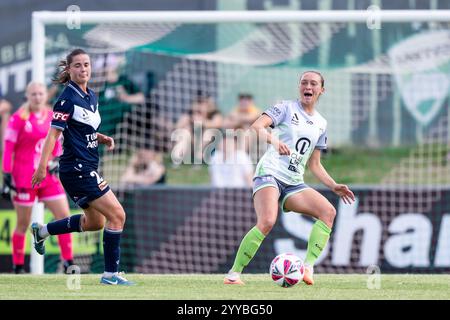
(95, 174)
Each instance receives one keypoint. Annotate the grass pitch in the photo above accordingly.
(210, 287)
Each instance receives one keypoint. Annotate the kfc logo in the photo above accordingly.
(60, 116)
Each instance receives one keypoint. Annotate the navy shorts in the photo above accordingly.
(284, 190)
(83, 186)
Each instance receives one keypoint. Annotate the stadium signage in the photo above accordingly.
(420, 63)
(406, 241)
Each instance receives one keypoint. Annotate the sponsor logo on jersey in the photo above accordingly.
(302, 145)
(309, 122)
(60, 116)
(85, 114)
(103, 185)
(295, 119)
(276, 111)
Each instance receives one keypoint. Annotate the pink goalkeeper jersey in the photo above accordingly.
(24, 140)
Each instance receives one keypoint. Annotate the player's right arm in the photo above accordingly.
(260, 128)
(49, 144)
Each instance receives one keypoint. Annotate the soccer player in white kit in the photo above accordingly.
(298, 136)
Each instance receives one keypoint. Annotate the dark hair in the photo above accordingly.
(63, 75)
(322, 80)
(245, 95)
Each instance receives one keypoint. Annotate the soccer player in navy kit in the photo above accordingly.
(76, 116)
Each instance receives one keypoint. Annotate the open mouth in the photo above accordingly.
(308, 94)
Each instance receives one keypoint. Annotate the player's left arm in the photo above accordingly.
(106, 140)
(321, 173)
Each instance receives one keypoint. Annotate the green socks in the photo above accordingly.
(249, 245)
(318, 239)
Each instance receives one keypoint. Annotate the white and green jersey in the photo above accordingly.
(301, 132)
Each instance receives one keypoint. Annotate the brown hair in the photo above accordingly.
(63, 75)
(322, 80)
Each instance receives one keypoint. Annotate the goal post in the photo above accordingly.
(42, 18)
(386, 100)
(36, 260)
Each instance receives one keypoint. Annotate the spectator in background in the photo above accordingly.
(203, 115)
(244, 114)
(5, 111)
(145, 168)
(241, 118)
(230, 166)
(118, 95)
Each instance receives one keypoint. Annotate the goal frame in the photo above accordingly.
(41, 19)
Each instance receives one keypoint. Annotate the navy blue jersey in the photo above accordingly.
(76, 114)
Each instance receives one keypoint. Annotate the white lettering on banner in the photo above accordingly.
(442, 258)
(20, 72)
(11, 53)
(7, 54)
(408, 243)
(348, 222)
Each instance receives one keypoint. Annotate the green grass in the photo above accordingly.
(210, 287)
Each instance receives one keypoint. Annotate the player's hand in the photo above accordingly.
(344, 192)
(8, 186)
(109, 142)
(283, 149)
(53, 166)
(38, 176)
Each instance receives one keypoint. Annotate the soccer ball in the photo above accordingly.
(287, 270)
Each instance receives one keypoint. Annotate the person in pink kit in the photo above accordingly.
(24, 138)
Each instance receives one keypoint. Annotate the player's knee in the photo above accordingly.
(266, 225)
(118, 217)
(100, 224)
(329, 215)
